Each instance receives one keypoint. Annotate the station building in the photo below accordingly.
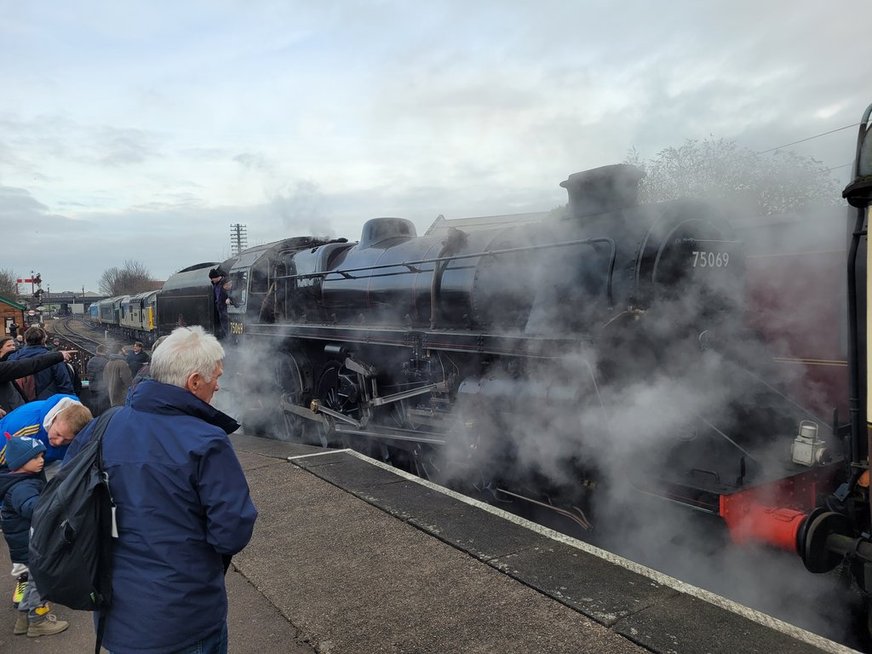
(10, 311)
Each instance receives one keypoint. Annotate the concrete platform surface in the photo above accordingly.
(349, 556)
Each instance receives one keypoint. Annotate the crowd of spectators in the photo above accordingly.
(167, 445)
(32, 367)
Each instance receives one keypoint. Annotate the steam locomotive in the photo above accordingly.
(603, 347)
(549, 354)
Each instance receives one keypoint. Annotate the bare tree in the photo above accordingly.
(132, 278)
(717, 169)
(8, 287)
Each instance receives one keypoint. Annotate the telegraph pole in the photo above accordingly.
(238, 238)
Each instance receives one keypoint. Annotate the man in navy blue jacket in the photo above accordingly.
(52, 380)
(183, 503)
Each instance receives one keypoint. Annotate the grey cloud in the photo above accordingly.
(125, 146)
(46, 135)
(74, 205)
(205, 153)
(254, 162)
(54, 137)
(19, 203)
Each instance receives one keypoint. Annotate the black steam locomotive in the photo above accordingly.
(601, 348)
(558, 354)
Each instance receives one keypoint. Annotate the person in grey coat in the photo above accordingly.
(117, 378)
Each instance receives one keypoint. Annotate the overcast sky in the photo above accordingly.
(142, 130)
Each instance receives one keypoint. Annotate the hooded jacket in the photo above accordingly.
(182, 504)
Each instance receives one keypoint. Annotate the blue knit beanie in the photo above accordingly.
(20, 450)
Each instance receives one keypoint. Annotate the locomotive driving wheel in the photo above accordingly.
(337, 390)
(289, 380)
(268, 390)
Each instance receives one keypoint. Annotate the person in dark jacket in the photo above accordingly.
(96, 381)
(145, 371)
(182, 503)
(21, 485)
(220, 302)
(136, 358)
(50, 380)
(10, 395)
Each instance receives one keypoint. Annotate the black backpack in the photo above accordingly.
(71, 540)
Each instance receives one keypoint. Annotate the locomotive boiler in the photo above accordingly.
(547, 351)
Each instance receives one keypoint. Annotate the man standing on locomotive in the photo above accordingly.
(220, 303)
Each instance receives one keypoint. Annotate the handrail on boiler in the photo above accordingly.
(412, 266)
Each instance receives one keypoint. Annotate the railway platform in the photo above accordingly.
(349, 556)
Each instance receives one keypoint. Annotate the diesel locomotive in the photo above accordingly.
(184, 299)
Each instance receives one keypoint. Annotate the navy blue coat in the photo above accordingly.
(182, 504)
(21, 493)
(49, 381)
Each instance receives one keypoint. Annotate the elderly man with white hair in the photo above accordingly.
(183, 503)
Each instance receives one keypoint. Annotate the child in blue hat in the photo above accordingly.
(22, 484)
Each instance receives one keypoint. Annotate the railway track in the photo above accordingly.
(74, 334)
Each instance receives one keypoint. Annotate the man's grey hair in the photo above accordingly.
(186, 351)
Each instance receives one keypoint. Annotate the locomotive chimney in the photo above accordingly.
(603, 189)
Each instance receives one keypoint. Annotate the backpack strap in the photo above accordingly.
(100, 427)
(105, 544)
(101, 627)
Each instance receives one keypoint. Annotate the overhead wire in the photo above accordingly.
(809, 138)
(832, 131)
